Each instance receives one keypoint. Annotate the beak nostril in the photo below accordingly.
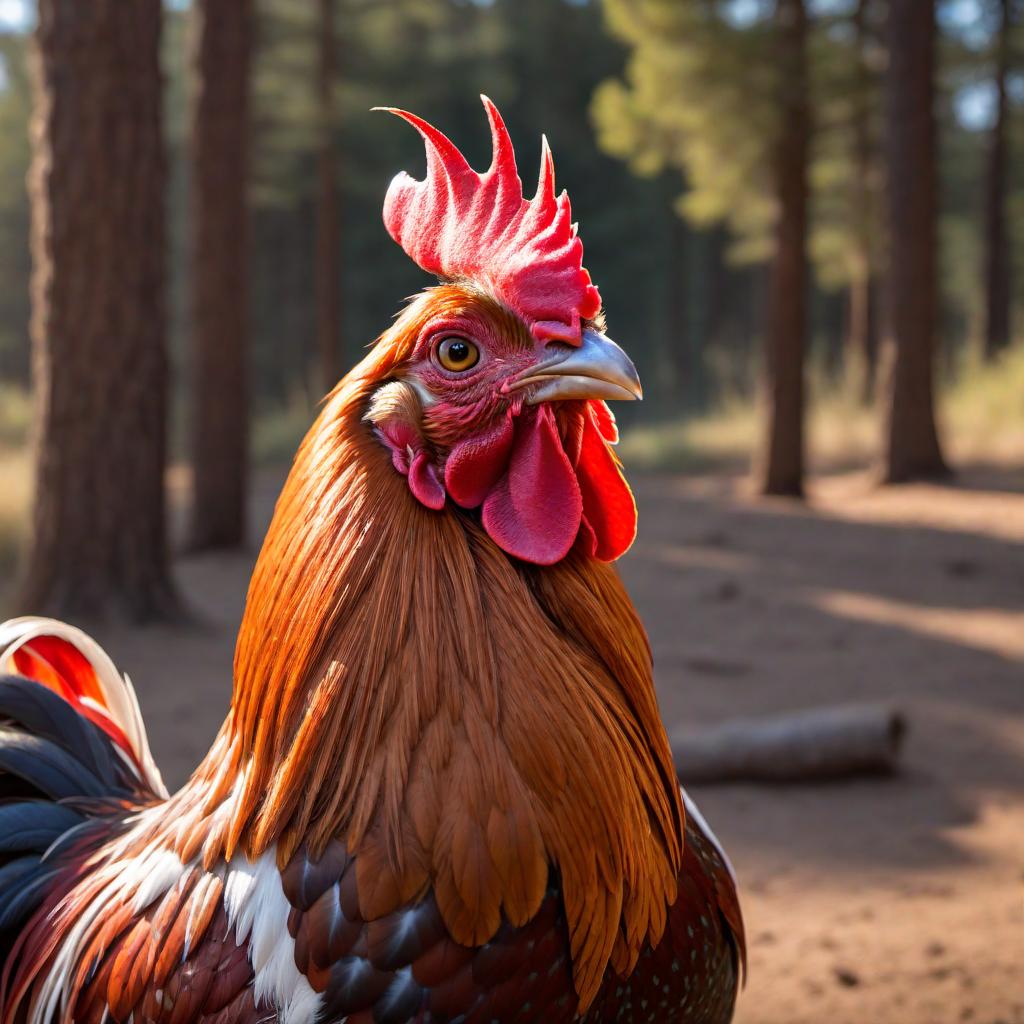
(555, 352)
(596, 369)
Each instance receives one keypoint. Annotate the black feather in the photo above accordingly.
(14, 873)
(24, 900)
(34, 825)
(41, 712)
(88, 835)
(47, 766)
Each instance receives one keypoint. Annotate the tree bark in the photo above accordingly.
(997, 245)
(913, 450)
(779, 464)
(221, 46)
(98, 314)
(860, 338)
(328, 233)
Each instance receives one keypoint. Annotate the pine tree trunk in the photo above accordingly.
(913, 450)
(98, 314)
(221, 44)
(328, 250)
(779, 464)
(997, 246)
(860, 347)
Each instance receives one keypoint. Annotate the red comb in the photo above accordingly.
(457, 223)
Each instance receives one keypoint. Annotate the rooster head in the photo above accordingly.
(497, 382)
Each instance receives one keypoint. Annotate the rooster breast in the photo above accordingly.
(243, 943)
(405, 968)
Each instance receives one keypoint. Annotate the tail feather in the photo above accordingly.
(47, 768)
(33, 711)
(17, 902)
(34, 824)
(75, 667)
(22, 886)
(74, 762)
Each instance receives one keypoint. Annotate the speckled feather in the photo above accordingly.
(405, 968)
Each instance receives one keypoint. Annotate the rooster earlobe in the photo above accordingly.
(396, 412)
(425, 481)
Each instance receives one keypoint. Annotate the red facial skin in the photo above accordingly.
(543, 475)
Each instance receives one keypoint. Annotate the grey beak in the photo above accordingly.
(597, 369)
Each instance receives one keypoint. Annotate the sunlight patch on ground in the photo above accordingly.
(980, 414)
(994, 630)
(973, 508)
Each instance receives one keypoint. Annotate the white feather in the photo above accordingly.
(694, 812)
(258, 908)
(163, 870)
(238, 902)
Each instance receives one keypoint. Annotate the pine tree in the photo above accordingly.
(779, 465)
(997, 274)
(97, 191)
(912, 444)
(221, 44)
(729, 106)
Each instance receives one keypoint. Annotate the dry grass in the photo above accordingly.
(984, 413)
(15, 415)
(981, 417)
(15, 476)
(15, 493)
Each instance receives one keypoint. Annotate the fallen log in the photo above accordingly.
(839, 742)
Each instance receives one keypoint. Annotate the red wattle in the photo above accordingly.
(605, 420)
(608, 505)
(475, 465)
(571, 432)
(534, 510)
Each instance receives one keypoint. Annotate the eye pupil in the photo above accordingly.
(457, 354)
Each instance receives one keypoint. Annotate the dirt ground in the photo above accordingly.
(894, 901)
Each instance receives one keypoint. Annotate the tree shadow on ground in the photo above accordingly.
(756, 607)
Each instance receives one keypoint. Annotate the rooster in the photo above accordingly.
(443, 791)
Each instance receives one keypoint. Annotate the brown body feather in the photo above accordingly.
(463, 721)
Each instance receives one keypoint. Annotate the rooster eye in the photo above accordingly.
(457, 354)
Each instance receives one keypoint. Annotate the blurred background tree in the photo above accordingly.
(219, 270)
(98, 329)
(911, 285)
(728, 104)
(1004, 15)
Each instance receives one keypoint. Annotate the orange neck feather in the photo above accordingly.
(464, 721)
